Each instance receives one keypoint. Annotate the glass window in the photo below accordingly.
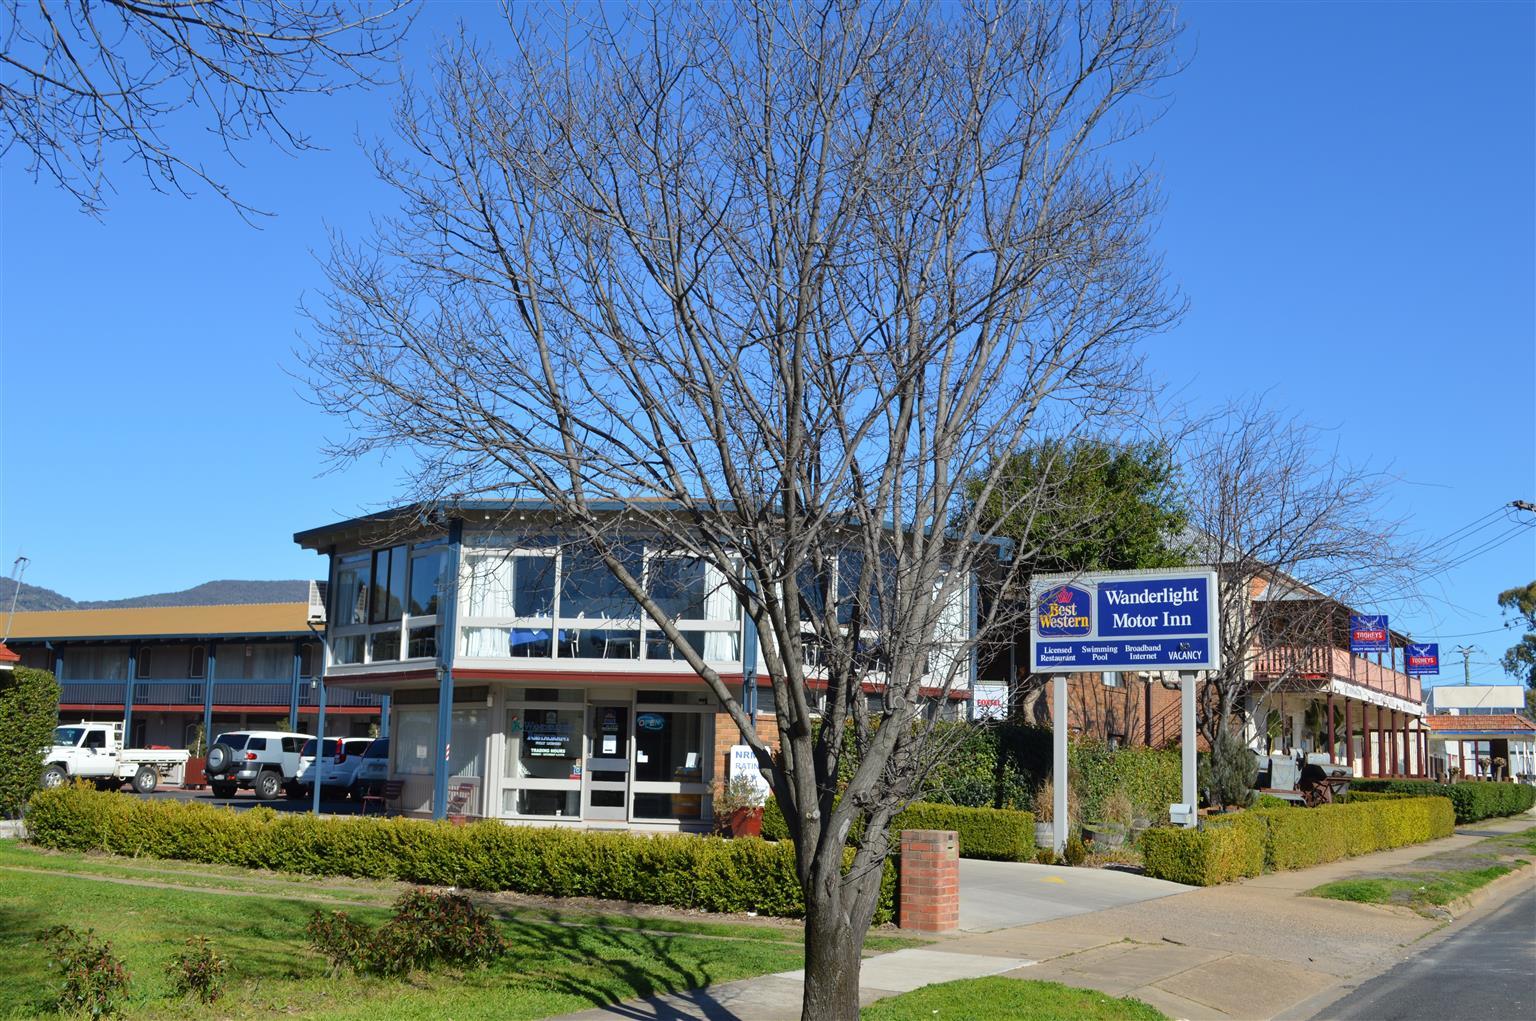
(69, 736)
(384, 646)
(255, 744)
(488, 586)
(533, 578)
(95, 739)
(466, 743)
(677, 585)
(308, 659)
(235, 741)
(197, 661)
(347, 649)
(669, 747)
(352, 583)
(388, 600)
(549, 744)
(413, 740)
(143, 660)
(668, 806)
(545, 803)
(95, 663)
(546, 695)
(589, 589)
(426, 572)
(423, 642)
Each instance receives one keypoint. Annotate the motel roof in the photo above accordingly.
(1499, 725)
(238, 620)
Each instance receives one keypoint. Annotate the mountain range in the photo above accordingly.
(209, 593)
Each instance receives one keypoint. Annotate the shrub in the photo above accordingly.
(1246, 843)
(338, 937)
(674, 870)
(1474, 799)
(198, 969)
(1148, 777)
(1270, 801)
(447, 927)
(93, 979)
(1075, 853)
(995, 834)
(1223, 849)
(1045, 856)
(1233, 771)
(988, 765)
(1354, 797)
(29, 710)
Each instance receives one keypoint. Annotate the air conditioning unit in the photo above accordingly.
(316, 604)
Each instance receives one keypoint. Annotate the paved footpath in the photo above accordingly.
(1253, 950)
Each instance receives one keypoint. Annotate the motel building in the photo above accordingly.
(167, 671)
(524, 683)
(1473, 726)
(1314, 698)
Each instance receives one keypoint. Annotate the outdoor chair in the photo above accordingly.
(385, 796)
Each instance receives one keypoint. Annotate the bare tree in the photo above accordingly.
(779, 283)
(1295, 535)
(87, 82)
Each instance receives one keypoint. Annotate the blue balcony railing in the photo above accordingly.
(265, 693)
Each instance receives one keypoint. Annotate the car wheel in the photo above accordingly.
(223, 790)
(268, 786)
(146, 780)
(54, 776)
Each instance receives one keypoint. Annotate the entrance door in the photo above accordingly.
(608, 762)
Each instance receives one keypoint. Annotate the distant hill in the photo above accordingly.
(209, 593)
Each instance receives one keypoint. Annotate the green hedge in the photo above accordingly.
(29, 710)
(1474, 799)
(682, 870)
(1150, 777)
(996, 834)
(1245, 843)
(1220, 851)
(1354, 797)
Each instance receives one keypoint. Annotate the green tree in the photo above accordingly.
(1520, 659)
(29, 710)
(1089, 505)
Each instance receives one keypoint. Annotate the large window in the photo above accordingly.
(386, 602)
(566, 604)
(413, 741)
(671, 738)
(542, 760)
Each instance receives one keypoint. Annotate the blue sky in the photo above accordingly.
(1351, 211)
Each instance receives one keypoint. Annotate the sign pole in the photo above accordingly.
(1189, 681)
(1059, 763)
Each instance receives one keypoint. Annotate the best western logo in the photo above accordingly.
(1064, 612)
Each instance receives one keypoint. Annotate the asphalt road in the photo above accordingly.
(245, 799)
(1485, 971)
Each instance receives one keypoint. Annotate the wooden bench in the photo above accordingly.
(385, 796)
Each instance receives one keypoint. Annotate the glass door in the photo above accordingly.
(608, 762)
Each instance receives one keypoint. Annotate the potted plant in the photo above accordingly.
(1116, 814)
(196, 774)
(1045, 811)
(739, 808)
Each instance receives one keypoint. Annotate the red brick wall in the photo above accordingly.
(1136, 711)
(727, 734)
(929, 896)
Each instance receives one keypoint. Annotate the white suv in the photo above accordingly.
(339, 764)
(264, 761)
(374, 770)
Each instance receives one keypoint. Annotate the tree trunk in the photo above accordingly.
(833, 952)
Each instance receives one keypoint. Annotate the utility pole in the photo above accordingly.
(1466, 661)
(1524, 505)
(18, 571)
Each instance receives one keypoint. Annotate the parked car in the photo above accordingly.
(374, 768)
(338, 765)
(265, 762)
(94, 751)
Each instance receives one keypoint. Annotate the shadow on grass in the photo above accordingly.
(27, 987)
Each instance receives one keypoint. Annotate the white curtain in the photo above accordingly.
(96, 663)
(493, 642)
(720, 604)
(489, 586)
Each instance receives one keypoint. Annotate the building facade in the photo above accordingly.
(525, 683)
(1481, 731)
(172, 673)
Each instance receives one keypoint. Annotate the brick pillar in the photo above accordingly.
(929, 895)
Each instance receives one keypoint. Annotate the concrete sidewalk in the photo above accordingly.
(1253, 950)
(1004, 894)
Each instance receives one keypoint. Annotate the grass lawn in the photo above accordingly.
(560, 961)
(1439, 879)
(1006, 999)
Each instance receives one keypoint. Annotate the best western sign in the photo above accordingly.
(1124, 620)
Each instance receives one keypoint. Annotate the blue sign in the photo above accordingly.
(1369, 633)
(1125, 620)
(651, 721)
(1422, 660)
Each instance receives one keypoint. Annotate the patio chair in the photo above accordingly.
(387, 795)
(459, 796)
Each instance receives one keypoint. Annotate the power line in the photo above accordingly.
(1489, 546)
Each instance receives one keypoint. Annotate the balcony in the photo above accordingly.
(1316, 661)
(262, 693)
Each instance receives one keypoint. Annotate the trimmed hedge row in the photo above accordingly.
(995, 834)
(1474, 799)
(1355, 797)
(683, 871)
(1247, 843)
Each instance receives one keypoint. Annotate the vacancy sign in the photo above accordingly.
(1368, 633)
(1422, 660)
(1124, 620)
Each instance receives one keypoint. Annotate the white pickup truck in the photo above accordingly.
(94, 751)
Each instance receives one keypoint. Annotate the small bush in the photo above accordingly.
(93, 979)
(427, 929)
(1075, 853)
(198, 969)
(1270, 801)
(1148, 777)
(339, 938)
(1045, 856)
(1223, 849)
(1233, 771)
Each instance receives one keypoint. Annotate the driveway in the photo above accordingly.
(1001, 894)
